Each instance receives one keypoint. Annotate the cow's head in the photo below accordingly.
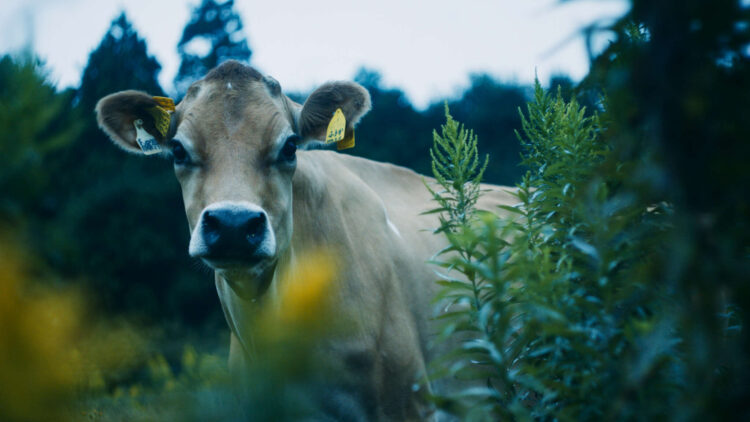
(233, 141)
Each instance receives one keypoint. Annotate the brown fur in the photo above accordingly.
(117, 112)
(232, 71)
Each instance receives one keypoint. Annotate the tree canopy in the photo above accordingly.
(213, 35)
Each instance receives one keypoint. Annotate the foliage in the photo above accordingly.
(34, 125)
(487, 105)
(677, 77)
(456, 167)
(288, 378)
(61, 360)
(393, 131)
(214, 23)
(117, 220)
(49, 349)
(195, 388)
(562, 320)
(120, 61)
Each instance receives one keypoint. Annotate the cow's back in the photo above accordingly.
(406, 199)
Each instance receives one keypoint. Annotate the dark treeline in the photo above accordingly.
(116, 222)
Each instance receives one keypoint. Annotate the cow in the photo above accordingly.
(257, 194)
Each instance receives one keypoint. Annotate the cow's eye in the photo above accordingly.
(179, 153)
(289, 150)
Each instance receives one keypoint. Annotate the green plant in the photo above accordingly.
(35, 124)
(559, 311)
(456, 167)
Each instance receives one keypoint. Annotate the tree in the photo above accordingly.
(402, 132)
(119, 220)
(677, 80)
(121, 61)
(35, 124)
(213, 35)
(623, 292)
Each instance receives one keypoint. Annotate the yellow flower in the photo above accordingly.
(48, 350)
(303, 310)
(39, 368)
(307, 291)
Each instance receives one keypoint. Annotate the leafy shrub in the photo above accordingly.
(555, 297)
(34, 125)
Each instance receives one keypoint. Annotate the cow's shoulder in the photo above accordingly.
(386, 181)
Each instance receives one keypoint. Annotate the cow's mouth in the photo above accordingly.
(249, 280)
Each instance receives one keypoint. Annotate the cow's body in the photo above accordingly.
(369, 213)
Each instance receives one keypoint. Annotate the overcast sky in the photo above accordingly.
(426, 47)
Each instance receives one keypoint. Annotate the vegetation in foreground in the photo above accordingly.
(60, 361)
(617, 287)
(559, 297)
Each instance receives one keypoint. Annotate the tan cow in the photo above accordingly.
(254, 199)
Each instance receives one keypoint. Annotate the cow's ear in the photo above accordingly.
(117, 114)
(316, 113)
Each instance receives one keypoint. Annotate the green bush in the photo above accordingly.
(560, 313)
(34, 125)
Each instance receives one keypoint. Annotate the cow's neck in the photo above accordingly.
(327, 197)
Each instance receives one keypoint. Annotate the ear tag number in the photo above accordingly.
(336, 127)
(148, 143)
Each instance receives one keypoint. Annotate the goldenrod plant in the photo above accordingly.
(51, 351)
(61, 361)
(557, 314)
(457, 170)
(284, 378)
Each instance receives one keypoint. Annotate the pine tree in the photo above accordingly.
(35, 124)
(403, 133)
(120, 62)
(120, 220)
(218, 26)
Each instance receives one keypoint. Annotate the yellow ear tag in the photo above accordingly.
(161, 114)
(336, 127)
(147, 142)
(165, 103)
(346, 143)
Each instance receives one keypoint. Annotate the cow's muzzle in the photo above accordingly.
(232, 235)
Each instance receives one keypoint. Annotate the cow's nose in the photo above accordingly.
(233, 233)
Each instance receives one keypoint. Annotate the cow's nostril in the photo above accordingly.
(210, 221)
(255, 228)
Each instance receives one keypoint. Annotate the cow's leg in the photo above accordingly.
(236, 356)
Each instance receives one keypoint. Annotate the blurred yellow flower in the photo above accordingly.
(39, 368)
(49, 349)
(306, 292)
(303, 310)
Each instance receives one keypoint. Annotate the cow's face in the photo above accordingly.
(233, 142)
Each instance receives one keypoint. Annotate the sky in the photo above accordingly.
(428, 48)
